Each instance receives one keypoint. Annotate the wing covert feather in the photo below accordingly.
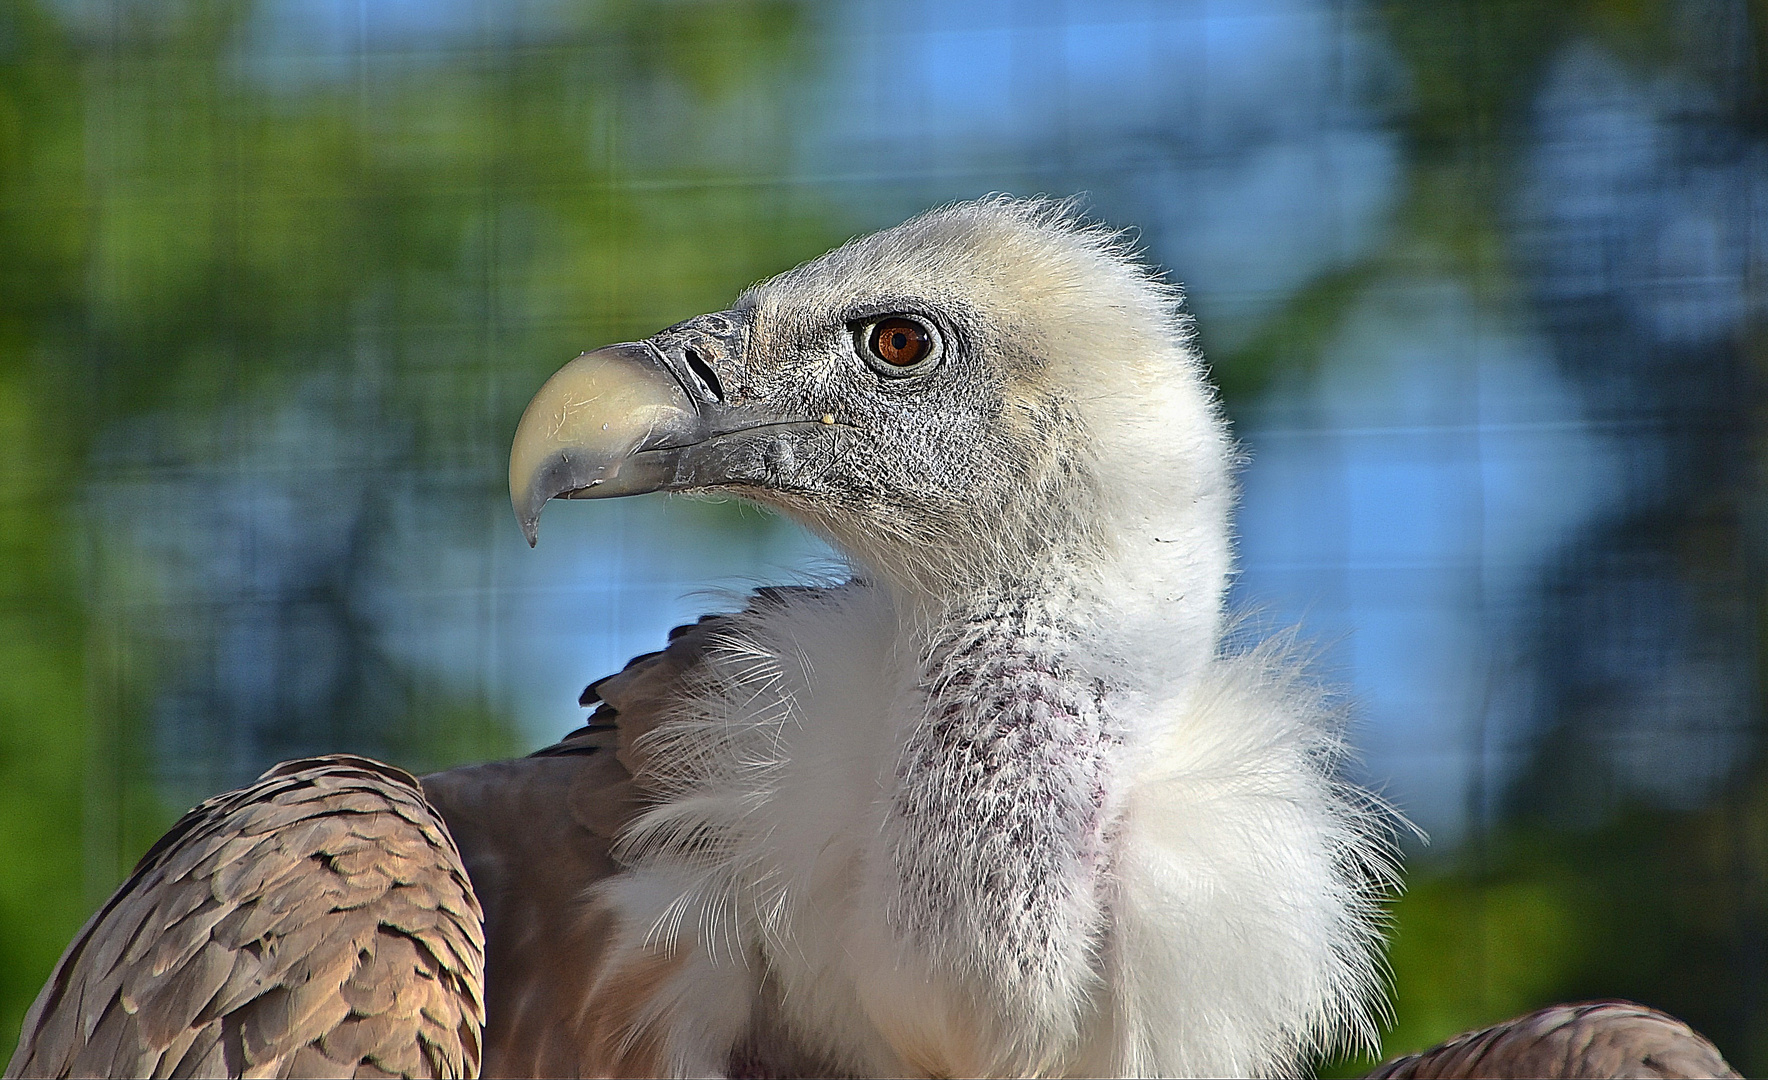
(1587, 1040)
(264, 921)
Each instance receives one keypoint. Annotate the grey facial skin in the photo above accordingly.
(781, 401)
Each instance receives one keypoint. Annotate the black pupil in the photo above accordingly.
(899, 340)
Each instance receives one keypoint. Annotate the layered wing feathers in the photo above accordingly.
(1591, 1039)
(316, 923)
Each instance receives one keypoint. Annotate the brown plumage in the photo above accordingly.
(1593, 1039)
(316, 923)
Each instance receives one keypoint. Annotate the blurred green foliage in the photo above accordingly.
(43, 624)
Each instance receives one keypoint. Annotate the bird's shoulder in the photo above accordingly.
(1585, 1039)
(315, 922)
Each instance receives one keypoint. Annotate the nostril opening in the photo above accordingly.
(703, 371)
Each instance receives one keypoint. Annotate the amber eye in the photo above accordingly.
(900, 342)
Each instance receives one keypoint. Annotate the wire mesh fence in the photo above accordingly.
(1482, 282)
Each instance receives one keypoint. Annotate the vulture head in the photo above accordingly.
(991, 396)
(1088, 840)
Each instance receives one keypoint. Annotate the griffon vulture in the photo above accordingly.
(1001, 804)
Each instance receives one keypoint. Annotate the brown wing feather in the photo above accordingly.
(535, 835)
(316, 923)
(1592, 1039)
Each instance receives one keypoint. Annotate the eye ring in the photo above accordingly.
(898, 345)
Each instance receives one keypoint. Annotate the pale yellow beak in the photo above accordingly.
(604, 425)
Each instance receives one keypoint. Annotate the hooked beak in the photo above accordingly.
(602, 426)
(622, 421)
